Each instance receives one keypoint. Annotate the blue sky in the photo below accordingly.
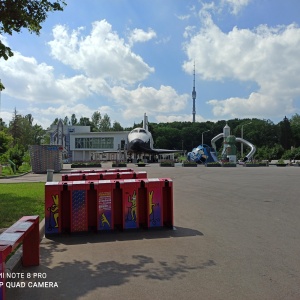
(128, 57)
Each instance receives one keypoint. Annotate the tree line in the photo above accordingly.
(273, 141)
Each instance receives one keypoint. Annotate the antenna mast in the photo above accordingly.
(194, 97)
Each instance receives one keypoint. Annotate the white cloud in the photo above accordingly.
(150, 100)
(236, 5)
(189, 31)
(26, 79)
(164, 40)
(266, 56)
(101, 59)
(183, 17)
(101, 54)
(139, 35)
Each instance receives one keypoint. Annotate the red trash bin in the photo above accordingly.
(130, 203)
(154, 202)
(57, 208)
(79, 208)
(168, 205)
(105, 207)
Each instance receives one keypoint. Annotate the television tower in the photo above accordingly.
(194, 97)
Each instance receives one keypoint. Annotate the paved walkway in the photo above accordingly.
(237, 236)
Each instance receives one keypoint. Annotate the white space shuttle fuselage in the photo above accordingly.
(140, 140)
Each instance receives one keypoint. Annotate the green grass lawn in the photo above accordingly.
(21, 199)
(7, 170)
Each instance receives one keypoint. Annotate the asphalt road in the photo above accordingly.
(236, 236)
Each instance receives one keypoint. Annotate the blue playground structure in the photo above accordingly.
(202, 154)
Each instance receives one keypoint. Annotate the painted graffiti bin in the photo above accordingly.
(159, 202)
(105, 206)
(130, 203)
(57, 207)
(108, 204)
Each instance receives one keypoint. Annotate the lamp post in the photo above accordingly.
(202, 135)
(242, 136)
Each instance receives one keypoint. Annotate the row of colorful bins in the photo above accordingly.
(104, 176)
(103, 205)
(104, 170)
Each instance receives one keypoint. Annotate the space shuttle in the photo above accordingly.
(140, 140)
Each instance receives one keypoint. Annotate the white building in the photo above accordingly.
(80, 144)
(98, 145)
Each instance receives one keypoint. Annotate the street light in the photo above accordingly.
(242, 136)
(202, 135)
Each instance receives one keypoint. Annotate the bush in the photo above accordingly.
(16, 155)
(167, 163)
(292, 154)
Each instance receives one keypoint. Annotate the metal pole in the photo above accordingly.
(242, 136)
(202, 135)
(242, 144)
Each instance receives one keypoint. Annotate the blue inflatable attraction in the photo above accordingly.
(202, 154)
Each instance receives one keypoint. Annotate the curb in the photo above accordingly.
(14, 264)
(15, 176)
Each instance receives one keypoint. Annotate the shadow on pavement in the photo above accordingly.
(104, 237)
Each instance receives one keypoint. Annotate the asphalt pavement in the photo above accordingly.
(236, 236)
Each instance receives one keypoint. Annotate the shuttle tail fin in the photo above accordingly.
(145, 122)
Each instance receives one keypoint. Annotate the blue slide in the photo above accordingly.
(202, 154)
(213, 155)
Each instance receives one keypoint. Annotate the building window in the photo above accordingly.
(94, 143)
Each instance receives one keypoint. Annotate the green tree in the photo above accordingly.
(168, 137)
(66, 121)
(295, 127)
(5, 142)
(55, 122)
(261, 133)
(162, 142)
(84, 121)
(285, 134)
(2, 124)
(29, 14)
(73, 120)
(276, 152)
(117, 127)
(15, 126)
(96, 121)
(25, 136)
(105, 124)
(23, 132)
(38, 134)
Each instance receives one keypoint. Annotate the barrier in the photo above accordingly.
(103, 170)
(108, 204)
(103, 175)
(25, 231)
(73, 176)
